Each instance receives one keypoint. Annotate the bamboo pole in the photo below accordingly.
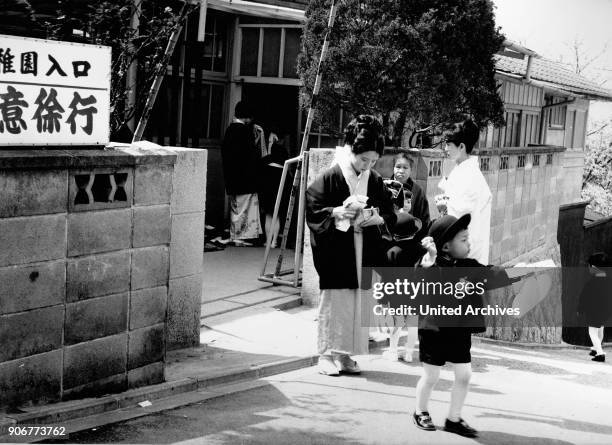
(161, 72)
(300, 179)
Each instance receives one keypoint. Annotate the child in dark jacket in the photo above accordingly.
(595, 302)
(448, 338)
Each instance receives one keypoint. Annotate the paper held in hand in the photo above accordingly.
(357, 202)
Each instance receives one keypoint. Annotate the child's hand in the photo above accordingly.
(392, 253)
(441, 202)
(429, 245)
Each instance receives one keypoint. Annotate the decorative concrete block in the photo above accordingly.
(152, 185)
(149, 267)
(100, 231)
(146, 375)
(184, 310)
(189, 180)
(95, 318)
(33, 192)
(146, 346)
(31, 239)
(32, 286)
(94, 360)
(148, 307)
(32, 332)
(100, 189)
(151, 226)
(98, 275)
(35, 378)
(187, 245)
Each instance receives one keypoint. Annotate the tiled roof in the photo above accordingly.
(553, 74)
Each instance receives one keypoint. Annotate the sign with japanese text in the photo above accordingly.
(53, 93)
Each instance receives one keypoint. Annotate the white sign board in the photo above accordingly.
(53, 93)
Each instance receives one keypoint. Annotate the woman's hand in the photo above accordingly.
(342, 212)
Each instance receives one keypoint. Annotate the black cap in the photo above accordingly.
(445, 228)
(406, 227)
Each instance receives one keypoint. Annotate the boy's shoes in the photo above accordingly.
(599, 358)
(423, 421)
(327, 367)
(592, 352)
(461, 427)
(347, 365)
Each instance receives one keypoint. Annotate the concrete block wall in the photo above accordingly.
(187, 247)
(84, 271)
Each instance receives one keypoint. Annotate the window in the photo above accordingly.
(270, 51)
(484, 164)
(211, 54)
(513, 129)
(556, 114)
(202, 112)
(536, 160)
(325, 137)
(435, 169)
(549, 159)
(503, 163)
(532, 129)
(521, 161)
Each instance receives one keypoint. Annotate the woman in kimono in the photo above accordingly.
(346, 238)
(241, 158)
(465, 190)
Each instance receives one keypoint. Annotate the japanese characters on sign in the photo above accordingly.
(53, 93)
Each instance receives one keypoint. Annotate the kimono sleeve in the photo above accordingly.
(318, 207)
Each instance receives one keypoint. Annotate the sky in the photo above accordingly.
(550, 28)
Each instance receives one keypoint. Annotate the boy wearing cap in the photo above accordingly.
(448, 339)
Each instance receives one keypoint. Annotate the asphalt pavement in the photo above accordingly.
(517, 396)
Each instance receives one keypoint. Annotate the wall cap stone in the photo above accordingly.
(81, 158)
(574, 205)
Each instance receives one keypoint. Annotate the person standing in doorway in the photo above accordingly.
(241, 158)
(466, 191)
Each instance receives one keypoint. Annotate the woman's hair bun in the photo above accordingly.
(365, 133)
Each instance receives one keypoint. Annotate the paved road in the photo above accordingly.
(517, 397)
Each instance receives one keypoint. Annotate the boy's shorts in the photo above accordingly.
(446, 345)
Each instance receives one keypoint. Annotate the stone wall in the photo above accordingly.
(85, 269)
(187, 247)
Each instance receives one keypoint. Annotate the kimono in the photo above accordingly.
(340, 325)
(241, 166)
(468, 192)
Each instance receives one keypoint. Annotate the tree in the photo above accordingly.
(419, 61)
(110, 23)
(597, 177)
